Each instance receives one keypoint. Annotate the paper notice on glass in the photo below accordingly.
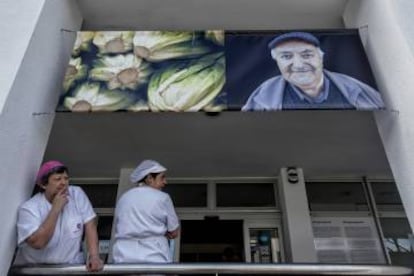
(347, 240)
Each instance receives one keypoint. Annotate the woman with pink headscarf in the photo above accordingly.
(50, 225)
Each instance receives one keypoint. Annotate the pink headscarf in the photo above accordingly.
(46, 168)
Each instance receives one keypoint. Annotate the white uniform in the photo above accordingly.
(143, 216)
(65, 244)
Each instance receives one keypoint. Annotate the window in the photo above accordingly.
(336, 196)
(187, 195)
(397, 233)
(105, 227)
(386, 196)
(245, 195)
(104, 234)
(101, 195)
(264, 245)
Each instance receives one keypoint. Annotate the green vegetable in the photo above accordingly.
(114, 42)
(121, 71)
(217, 36)
(82, 42)
(187, 87)
(89, 97)
(158, 46)
(75, 70)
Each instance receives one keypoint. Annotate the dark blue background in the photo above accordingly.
(248, 60)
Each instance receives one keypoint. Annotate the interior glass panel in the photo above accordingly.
(399, 240)
(101, 195)
(387, 196)
(336, 196)
(245, 195)
(264, 245)
(211, 240)
(187, 195)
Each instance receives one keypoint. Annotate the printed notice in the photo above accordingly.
(347, 240)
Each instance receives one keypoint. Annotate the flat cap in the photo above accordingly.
(302, 36)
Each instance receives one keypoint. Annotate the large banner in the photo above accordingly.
(217, 70)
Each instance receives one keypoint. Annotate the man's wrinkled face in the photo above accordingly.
(300, 63)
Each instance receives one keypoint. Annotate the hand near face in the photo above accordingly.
(60, 200)
(57, 190)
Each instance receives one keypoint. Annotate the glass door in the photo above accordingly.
(263, 239)
(211, 240)
(264, 245)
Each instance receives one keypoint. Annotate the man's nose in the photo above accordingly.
(297, 61)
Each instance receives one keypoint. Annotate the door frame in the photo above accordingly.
(251, 220)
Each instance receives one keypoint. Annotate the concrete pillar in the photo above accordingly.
(124, 185)
(297, 223)
(386, 32)
(36, 53)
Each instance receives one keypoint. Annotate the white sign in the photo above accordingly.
(347, 240)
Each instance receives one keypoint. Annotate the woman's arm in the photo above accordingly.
(94, 262)
(172, 219)
(41, 237)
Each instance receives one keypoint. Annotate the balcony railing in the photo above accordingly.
(217, 269)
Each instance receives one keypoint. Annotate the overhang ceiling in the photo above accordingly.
(323, 143)
(211, 14)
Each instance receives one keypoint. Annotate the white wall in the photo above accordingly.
(387, 41)
(13, 47)
(36, 53)
(404, 12)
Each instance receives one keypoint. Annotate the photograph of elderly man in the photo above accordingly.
(305, 84)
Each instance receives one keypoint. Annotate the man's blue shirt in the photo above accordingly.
(329, 98)
(270, 94)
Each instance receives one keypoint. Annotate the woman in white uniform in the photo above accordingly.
(145, 218)
(50, 225)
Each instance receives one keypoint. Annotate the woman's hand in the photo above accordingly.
(173, 234)
(60, 200)
(94, 263)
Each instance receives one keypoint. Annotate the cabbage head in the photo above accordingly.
(188, 86)
(156, 46)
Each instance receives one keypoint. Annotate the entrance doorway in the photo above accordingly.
(211, 240)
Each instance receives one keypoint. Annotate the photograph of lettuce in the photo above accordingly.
(145, 71)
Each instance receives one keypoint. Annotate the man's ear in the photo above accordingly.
(273, 54)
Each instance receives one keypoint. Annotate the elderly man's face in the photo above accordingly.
(300, 64)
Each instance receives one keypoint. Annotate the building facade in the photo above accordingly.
(368, 148)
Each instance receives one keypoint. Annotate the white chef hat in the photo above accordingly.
(144, 168)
